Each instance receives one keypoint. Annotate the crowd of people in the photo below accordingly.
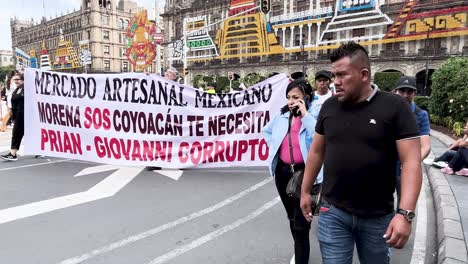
(320, 132)
(391, 135)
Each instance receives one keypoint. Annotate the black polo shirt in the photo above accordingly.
(360, 151)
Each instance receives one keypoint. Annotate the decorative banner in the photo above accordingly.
(136, 119)
(66, 56)
(198, 38)
(362, 14)
(248, 34)
(175, 50)
(22, 60)
(141, 49)
(33, 59)
(85, 53)
(45, 58)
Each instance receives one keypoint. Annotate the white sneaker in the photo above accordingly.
(293, 260)
(428, 161)
(440, 164)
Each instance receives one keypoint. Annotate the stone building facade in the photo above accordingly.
(102, 22)
(409, 36)
(6, 58)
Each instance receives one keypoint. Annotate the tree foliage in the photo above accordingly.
(386, 80)
(449, 97)
(4, 71)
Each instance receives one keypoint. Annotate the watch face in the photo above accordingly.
(410, 215)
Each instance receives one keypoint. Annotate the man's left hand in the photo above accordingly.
(398, 231)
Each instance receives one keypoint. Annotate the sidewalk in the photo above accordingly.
(450, 193)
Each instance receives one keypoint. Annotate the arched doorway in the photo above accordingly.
(421, 82)
(393, 70)
(297, 75)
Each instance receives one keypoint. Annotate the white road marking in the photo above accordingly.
(156, 230)
(420, 234)
(32, 165)
(173, 174)
(97, 169)
(106, 188)
(207, 238)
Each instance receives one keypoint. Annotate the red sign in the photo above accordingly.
(158, 38)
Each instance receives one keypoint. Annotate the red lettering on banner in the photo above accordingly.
(130, 149)
(60, 141)
(97, 118)
(238, 123)
(183, 158)
(222, 151)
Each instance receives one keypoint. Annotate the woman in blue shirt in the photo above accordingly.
(295, 117)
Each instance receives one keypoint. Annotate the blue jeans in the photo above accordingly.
(338, 231)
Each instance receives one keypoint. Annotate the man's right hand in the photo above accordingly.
(306, 206)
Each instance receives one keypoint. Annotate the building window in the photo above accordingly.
(125, 66)
(121, 24)
(106, 50)
(106, 65)
(359, 32)
(105, 34)
(122, 52)
(105, 19)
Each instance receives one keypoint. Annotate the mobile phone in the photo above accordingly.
(295, 111)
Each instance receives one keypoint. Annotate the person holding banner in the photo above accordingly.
(9, 88)
(295, 119)
(17, 103)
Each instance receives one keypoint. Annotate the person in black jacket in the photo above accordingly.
(17, 102)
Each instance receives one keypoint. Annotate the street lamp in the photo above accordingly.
(426, 44)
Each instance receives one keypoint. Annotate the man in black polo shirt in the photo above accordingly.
(360, 133)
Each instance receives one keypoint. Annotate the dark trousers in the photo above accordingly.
(297, 223)
(447, 156)
(459, 160)
(18, 130)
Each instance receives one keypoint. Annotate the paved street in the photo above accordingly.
(230, 215)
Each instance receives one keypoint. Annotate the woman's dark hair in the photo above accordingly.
(21, 76)
(303, 85)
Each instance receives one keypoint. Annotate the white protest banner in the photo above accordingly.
(135, 119)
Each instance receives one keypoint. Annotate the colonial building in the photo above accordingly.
(102, 22)
(409, 36)
(6, 58)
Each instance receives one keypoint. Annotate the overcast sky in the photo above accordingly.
(27, 9)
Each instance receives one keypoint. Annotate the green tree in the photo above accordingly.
(449, 89)
(252, 78)
(386, 80)
(4, 71)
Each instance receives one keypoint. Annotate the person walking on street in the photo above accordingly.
(10, 87)
(357, 192)
(289, 136)
(323, 92)
(17, 102)
(170, 74)
(406, 88)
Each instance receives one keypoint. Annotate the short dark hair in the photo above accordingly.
(20, 75)
(302, 84)
(354, 51)
(305, 87)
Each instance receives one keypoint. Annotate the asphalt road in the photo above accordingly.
(230, 215)
(130, 215)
